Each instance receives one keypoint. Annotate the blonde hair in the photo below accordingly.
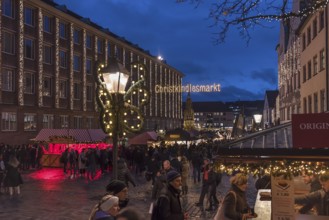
(239, 179)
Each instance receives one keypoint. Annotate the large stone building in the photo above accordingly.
(47, 66)
(302, 61)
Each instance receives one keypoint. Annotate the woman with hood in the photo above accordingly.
(107, 208)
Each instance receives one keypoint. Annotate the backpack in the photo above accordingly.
(156, 207)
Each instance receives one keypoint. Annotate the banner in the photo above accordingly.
(310, 130)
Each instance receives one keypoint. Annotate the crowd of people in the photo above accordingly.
(168, 169)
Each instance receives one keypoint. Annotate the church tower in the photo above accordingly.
(188, 115)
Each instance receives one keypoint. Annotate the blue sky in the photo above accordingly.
(182, 35)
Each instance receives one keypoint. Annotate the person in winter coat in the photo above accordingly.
(106, 209)
(169, 205)
(119, 189)
(13, 178)
(124, 173)
(235, 205)
(185, 174)
(319, 198)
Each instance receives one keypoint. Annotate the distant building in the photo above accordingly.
(47, 66)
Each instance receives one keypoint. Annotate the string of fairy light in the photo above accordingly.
(274, 167)
(130, 116)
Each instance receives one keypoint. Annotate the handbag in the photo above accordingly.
(220, 215)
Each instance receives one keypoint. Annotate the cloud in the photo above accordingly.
(266, 75)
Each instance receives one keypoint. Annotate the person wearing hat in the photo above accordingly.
(118, 188)
(106, 209)
(168, 204)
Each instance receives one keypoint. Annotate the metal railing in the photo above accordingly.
(275, 137)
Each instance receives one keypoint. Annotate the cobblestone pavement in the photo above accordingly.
(49, 194)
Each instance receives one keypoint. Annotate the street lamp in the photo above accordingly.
(118, 114)
(257, 120)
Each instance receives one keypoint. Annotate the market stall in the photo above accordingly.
(55, 141)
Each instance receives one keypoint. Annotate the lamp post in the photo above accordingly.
(257, 120)
(115, 102)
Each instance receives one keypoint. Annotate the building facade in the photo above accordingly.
(48, 56)
(302, 62)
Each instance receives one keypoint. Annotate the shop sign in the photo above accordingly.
(310, 130)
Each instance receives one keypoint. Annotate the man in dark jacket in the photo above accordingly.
(168, 205)
(319, 198)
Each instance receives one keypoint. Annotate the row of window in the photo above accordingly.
(215, 113)
(8, 10)
(29, 82)
(311, 104)
(312, 31)
(9, 121)
(8, 42)
(314, 66)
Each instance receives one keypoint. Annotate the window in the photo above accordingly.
(28, 48)
(62, 30)
(322, 60)
(8, 121)
(304, 41)
(47, 56)
(30, 122)
(321, 20)
(298, 79)
(76, 36)
(89, 122)
(62, 89)
(7, 80)
(309, 35)
(315, 65)
(77, 121)
(48, 121)
(89, 93)
(309, 70)
(62, 59)
(29, 83)
(99, 46)
(304, 105)
(29, 16)
(8, 8)
(304, 73)
(47, 87)
(88, 66)
(88, 41)
(322, 100)
(8, 42)
(76, 63)
(46, 24)
(309, 104)
(76, 91)
(315, 27)
(315, 100)
(64, 121)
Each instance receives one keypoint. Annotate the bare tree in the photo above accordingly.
(244, 15)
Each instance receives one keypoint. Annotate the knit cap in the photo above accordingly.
(171, 175)
(115, 186)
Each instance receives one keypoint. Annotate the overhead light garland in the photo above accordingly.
(274, 167)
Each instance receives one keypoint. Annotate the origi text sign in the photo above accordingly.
(310, 130)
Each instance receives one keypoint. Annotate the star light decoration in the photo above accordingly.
(286, 168)
(128, 108)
